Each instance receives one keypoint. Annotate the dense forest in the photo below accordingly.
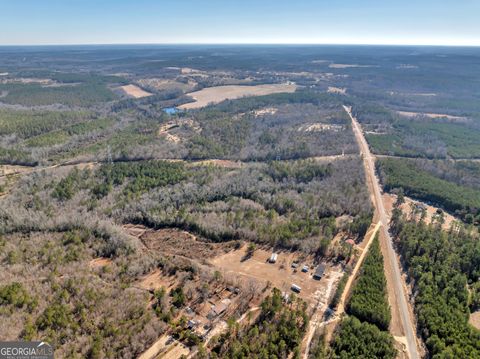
(59, 299)
(444, 269)
(292, 204)
(74, 90)
(357, 339)
(422, 180)
(368, 301)
(300, 125)
(390, 133)
(277, 333)
(293, 131)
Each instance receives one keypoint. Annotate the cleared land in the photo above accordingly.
(475, 319)
(429, 115)
(212, 95)
(431, 211)
(165, 84)
(337, 90)
(280, 274)
(348, 66)
(135, 91)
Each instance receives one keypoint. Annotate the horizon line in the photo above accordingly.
(239, 44)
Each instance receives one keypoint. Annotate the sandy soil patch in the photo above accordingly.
(135, 91)
(100, 262)
(401, 346)
(317, 319)
(265, 111)
(348, 66)
(60, 84)
(155, 280)
(189, 71)
(165, 347)
(163, 132)
(167, 127)
(319, 127)
(164, 129)
(475, 319)
(390, 199)
(280, 274)
(213, 95)
(134, 230)
(429, 115)
(425, 94)
(7, 170)
(172, 138)
(374, 133)
(26, 80)
(166, 84)
(337, 90)
(219, 163)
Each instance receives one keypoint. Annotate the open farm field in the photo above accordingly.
(218, 94)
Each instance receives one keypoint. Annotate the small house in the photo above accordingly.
(319, 272)
(189, 311)
(192, 324)
(218, 309)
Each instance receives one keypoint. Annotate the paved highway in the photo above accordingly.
(400, 295)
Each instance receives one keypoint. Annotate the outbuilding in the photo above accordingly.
(319, 272)
(273, 258)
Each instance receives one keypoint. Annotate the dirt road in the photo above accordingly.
(399, 293)
(316, 321)
(371, 234)
(12, 171)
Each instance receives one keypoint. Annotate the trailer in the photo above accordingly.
(273, 258)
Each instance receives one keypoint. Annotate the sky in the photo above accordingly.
(401, 22)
